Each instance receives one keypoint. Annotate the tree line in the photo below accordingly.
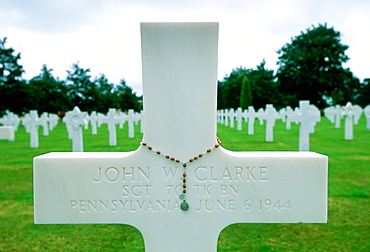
(310, 67)
(46, 93)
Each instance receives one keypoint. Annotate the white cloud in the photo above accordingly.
(105, 37)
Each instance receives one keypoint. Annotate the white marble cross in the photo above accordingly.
(32, 121)
(352, 114)
(367, 114)
(250, 115)
(334, 114)
(231, 117)
(308, 116)
(337, 115)
(239, 119)
(93, 119)
(289, 113)
(226, 117)
(270, 116)
(111, 120)
(10, 119)
(145, 189)
(222, 116)
(45, 123)
(131, 119)
(53, 121)
(74, 121)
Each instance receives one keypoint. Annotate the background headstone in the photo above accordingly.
(45, 123)
(32, 121)
(239, 119)
(10, 119)
(131, 119)
(111, 119)
(352, 114)
(250, 115)
(307, 117)
(7, 132)
(93, 119)
(367, 114)
(74, 121)
(270, 116)
(232, 117)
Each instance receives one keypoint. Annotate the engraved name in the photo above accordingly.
(234, 173)
(122, 174)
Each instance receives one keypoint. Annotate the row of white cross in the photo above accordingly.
(351, 113)
(74, 121)
(306, 114)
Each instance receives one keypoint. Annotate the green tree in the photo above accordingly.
(104, 97)
(230, 89)
(263, 86)
(363, 98)
(10, 70)
(81, 90)
(13, 89)
(47, 93)
(125, 98)
(310, 66)
(246, 93)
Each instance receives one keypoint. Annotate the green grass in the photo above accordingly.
(348, 227)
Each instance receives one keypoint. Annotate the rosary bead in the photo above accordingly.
(184, 205)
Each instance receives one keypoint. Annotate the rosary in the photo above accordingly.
(184, 205)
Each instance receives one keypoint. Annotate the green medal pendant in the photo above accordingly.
(184, 206)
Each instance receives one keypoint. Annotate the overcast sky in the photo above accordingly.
(104, 35)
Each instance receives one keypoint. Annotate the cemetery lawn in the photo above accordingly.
(348, 227)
